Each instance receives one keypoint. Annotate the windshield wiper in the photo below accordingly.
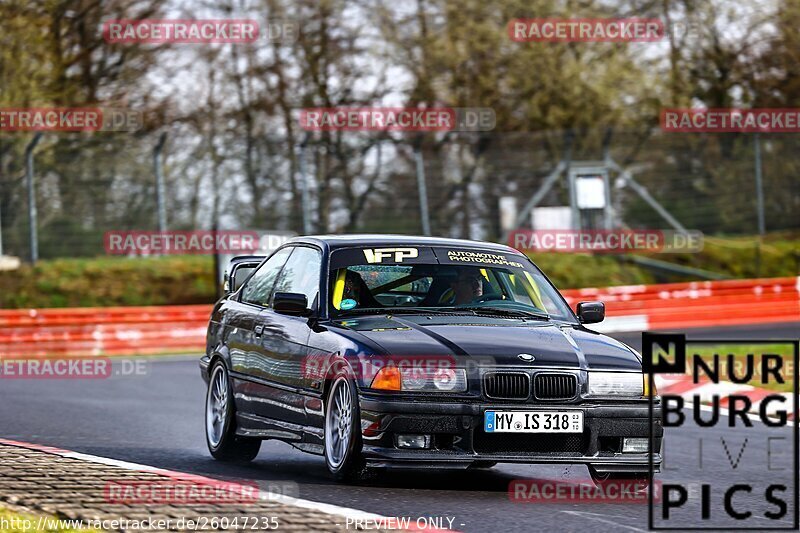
(397, 311)
(498, 311)
(445, 311)
(363, 311)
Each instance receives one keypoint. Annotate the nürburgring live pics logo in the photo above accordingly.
(729, 416)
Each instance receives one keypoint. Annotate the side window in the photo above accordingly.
(301, 274)
(259, 288)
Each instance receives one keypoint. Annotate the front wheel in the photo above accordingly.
(223, 443)
(343, 432)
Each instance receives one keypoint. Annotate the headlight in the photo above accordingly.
(616, 384)
(446, 379)
(421, 380)
(413, 379)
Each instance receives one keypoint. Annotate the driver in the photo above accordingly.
(468, 286)
(352, 286)
(356, 289)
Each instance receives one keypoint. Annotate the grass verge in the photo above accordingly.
(178, 280)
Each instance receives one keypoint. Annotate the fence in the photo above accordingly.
(86, 185)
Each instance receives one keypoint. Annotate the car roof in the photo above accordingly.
(333, 242)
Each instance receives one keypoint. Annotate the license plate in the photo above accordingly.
(533, 421)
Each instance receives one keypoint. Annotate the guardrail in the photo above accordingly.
(163, 329)
(103, 330)
(695, 304)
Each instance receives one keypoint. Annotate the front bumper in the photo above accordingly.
(458, 438)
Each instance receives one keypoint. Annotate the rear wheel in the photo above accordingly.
(223, 443)
(343, 431)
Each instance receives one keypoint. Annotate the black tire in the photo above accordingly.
(343, 458)
(222, 441)
(642, 479)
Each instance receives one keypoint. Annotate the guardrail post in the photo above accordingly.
(1, 228)
(422, 190)
(162, 210)
(762, 227)
(32, 213)
(305, 201)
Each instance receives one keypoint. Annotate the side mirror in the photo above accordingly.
(591, 312)
(238, 274)
(291, 303)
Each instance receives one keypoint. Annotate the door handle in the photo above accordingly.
(259, 330)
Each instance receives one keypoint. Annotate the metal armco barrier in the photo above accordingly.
(103, 330)
(175, 329)
(695, 304)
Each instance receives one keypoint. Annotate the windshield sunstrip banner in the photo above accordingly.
(410, 255)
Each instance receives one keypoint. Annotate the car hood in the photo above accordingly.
(500, 341)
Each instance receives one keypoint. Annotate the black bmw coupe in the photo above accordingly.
(379, 351)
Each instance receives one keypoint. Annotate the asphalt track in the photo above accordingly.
(155, 417)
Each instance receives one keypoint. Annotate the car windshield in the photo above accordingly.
(441, 281)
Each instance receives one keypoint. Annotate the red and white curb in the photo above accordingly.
(335, 510)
